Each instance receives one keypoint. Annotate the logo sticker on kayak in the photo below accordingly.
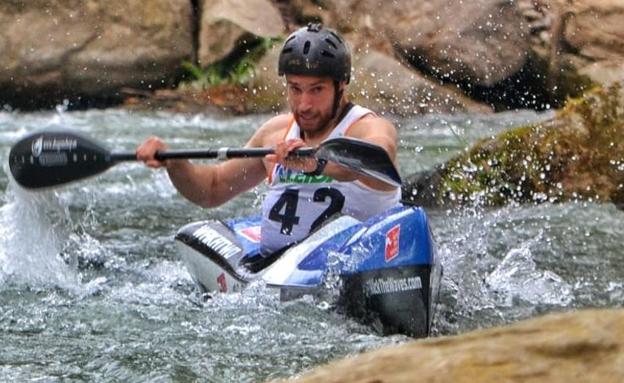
(217, 242)
(251, 233)
(380, 286)
(392, 243)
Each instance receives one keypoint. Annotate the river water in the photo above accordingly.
(91, 287)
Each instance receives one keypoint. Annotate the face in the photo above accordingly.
(311, 100)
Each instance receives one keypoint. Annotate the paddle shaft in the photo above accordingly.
(222, 154)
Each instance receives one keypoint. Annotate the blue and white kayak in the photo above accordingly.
(387, 268)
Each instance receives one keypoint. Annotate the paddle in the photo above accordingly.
(51, 158)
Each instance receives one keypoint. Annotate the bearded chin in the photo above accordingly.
(322, 124)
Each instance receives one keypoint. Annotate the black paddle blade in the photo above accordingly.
(50, 158)
(362, 157)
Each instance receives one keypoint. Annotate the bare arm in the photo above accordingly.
(211, 185)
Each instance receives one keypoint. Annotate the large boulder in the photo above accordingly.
(575, 45)
(525, 53)
(382, 83)
(591, 40)
(579, 154)
(71, 48)
(585, 346)
(477, 42)
(226, 24)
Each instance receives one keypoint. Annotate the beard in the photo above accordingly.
(313, 122)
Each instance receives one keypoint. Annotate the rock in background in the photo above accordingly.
(412, 57)
(88, 50)
(225, 24)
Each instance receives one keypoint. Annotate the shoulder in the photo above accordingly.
(272, 130)
(372, 125)
(376, 130)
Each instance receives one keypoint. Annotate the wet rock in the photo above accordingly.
(454, 56)
(591, 40)
(224, 100)
(478, 42)
(89, 49)
(526, 53)
(575, 45)
(584, 346)
(578, 155)
(383, 84)
(226, 23)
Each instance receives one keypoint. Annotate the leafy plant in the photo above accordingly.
(235, 69)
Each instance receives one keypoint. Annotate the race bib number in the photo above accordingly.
(285, 209)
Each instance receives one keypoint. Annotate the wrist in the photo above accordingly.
(320, 167)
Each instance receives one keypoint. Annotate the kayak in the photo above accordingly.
(385, 270)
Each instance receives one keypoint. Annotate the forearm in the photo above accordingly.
(213, 185)
(194, 182)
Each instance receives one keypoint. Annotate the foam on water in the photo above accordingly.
(33, 228)
(517, 278)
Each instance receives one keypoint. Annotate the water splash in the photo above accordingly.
(495, 271)
(33, 228)
(517, 278)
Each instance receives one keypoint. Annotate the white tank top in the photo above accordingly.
(296, 204)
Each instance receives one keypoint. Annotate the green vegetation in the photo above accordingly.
(235, 69)
(578, 154)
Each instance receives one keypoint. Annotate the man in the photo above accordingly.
(317, 65)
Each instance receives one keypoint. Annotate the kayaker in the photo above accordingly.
(303, 193)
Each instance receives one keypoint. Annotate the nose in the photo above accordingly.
(305, 102)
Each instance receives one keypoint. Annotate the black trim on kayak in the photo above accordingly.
(261, 261)
(392, 300)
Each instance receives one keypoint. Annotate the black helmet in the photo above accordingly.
(315, 51)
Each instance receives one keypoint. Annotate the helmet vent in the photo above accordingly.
(287, 50)
(328, 41)
(336, 36)
(327, 54)
(306, 47)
